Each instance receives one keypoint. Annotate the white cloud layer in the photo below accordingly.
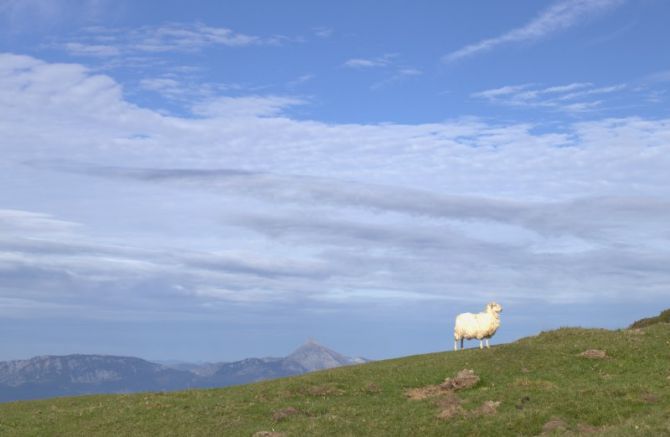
(560, 16)
(241, 204)
(100, 41)
(571, 98)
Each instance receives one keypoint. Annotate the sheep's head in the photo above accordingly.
(494, 307)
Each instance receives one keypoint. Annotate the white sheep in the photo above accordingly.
(481, 326)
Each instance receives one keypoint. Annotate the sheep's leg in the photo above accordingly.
(481, 344)
(462, 343)
(487, 344)
(455, 345)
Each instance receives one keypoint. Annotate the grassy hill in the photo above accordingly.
(538, 385)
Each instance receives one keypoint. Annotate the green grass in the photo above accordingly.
(627, 393)
(664, 317)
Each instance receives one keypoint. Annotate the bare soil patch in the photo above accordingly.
(284, 413)
(450, 406)
(448, 402)
(488, 408)
(466, 378)
(594, 354)
(584, 428)
(538, 384)
(372, 388)
(324, 390)
(649, 398)
(421, 393)
(554, 424)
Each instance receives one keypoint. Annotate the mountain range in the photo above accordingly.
(49, 376)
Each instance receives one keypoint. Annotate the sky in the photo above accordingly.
(209, 181)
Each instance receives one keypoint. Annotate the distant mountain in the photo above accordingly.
(199, 369)
(49, 376)
(312, 356)
(307, 358)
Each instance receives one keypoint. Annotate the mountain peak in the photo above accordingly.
(310, 343)
(313, 356)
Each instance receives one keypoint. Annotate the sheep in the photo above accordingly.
(481, 326)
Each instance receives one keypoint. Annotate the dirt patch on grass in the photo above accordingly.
(324, 390)
(285, 413)
(466, 378)
(584, 428)
(537, 384)
(372, 388)
(594, 354)
(555, 424)
(447, 401)
(488, 408)
(649, 398)
(450, 406)
(421, 393)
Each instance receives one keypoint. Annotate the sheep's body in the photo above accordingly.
(481, 326)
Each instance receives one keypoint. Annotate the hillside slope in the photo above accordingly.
(541, 384)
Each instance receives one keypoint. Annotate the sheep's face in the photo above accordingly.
(494, 307)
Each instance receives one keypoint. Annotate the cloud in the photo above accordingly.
(561, 97)
(304, 78)
(590, 218)
(396, 71)
(27, 15)
(558, 17)
(101, 50)
(10, 218)
(365, 63)
(185, 88)
(323, 32)
(399, 75)
(243, 204)
(169, 37)
(659, 76)
(247, 106)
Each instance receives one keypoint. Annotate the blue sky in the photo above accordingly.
(214, 181)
